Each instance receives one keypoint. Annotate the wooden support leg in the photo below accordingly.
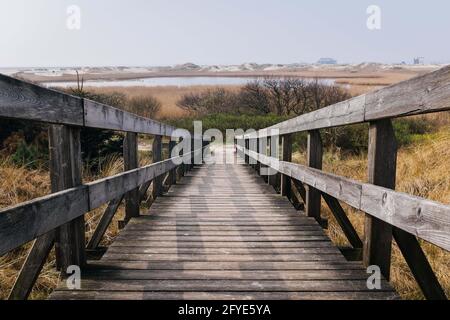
(286, 145)
(65, 173)
(131, 161)
(172, 174)
(382, 167)
(419, 265)
(32, 267)
(157, 156)
(105, 221)
(343, 221)
(314, 159)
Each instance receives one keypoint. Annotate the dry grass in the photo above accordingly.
(19, 184)
(167, 95)
(422, 170)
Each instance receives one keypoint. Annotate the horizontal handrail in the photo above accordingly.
(426, 219)
(23, 100)
(420, 95)
(24, 222)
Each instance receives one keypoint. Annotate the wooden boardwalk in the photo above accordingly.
(222, 233)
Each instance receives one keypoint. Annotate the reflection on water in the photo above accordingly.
(165, 81)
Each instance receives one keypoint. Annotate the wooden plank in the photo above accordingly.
(107, 189)
(382, 165)
(98, 115)
(207, 275)
(157, 157)
(322, 243)
(27, 221)
(423, 94)
(220, 295)
(230, 285)
(65, 173)
(103, 224)
(215, 258)
(23, 100)
(222, 251)
(228, 265)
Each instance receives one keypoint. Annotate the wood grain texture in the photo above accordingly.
(131, 162)
(65, 173)
(382, 168)
(23, 100)
(157, 157)
(102, 116)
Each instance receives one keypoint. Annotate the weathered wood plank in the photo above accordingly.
(23, 100)
(230, 285)
(423, 94)
(220, 295)
(98, 115)
(27, 221)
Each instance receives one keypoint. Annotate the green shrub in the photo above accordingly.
(26, 155)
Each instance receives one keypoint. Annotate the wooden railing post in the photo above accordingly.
(157, 157)
(382, 161)
(314, 160)
(172, 174)
(286, 147)
(65, 173)
(131, 161)
(246, 146)
(258, 150)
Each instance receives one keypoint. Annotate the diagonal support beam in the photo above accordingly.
(32, 266)
(343, 221)
(418, 264)
(104, 223)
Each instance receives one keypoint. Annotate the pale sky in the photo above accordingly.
(167, 32)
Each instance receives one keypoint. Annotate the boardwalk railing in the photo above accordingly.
(58, 218)
(388, 213)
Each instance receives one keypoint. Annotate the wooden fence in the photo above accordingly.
(387, 213)
(58, 219)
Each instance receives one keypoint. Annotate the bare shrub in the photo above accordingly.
(145, 106)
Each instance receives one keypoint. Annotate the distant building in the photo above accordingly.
(327, 61)
(419, 60)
